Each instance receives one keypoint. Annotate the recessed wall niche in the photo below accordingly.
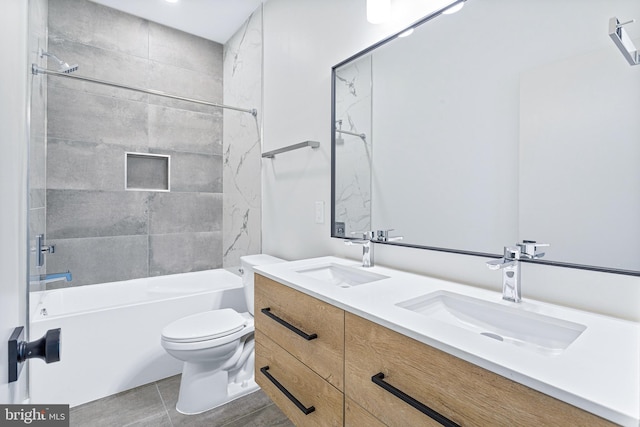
(147, 172)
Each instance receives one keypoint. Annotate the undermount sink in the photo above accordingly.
(340, 275)
(511, 325)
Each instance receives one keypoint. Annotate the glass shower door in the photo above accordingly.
(37, 195)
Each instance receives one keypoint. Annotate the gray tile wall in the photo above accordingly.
(103, 233)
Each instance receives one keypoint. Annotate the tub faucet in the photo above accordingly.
(43, 279)
(510, 266)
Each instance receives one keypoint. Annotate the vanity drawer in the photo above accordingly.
(301, 382)
(460, 391)
(324, 354)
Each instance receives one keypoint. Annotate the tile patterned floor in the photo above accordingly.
(154, 405)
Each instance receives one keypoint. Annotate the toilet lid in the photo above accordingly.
(205, 326)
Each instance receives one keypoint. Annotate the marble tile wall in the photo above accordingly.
(103, 233)
(241, 233)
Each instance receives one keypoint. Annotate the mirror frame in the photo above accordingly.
(361, 54)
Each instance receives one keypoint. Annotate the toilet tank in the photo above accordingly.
(247, 263)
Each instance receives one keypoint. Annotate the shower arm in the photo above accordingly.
(35, 69)
(51, 55)
(347, 132)
(359, 135)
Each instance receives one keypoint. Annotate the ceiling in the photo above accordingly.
(215, 20)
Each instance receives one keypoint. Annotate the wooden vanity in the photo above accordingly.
(324, 366)
(300, 346)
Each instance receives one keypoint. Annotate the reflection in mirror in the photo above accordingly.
(505, 121)
(352, 142)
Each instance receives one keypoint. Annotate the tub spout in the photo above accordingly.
(43, 279)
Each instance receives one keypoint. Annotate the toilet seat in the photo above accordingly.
(209, 325)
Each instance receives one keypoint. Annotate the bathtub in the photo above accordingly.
(110, 339)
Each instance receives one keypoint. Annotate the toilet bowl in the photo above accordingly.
(217, 348)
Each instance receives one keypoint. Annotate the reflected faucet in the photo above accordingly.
(383, 236)
(510, 266)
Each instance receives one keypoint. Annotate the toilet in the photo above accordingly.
(217, 348)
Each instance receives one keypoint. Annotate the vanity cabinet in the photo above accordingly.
(356, 416)
(300, 342)
(342, 369)
(457, 390)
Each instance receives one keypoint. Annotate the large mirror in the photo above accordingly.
(505, 121)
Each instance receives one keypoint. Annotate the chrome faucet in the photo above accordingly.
(367, 246)
(367, 241)
(510, 266)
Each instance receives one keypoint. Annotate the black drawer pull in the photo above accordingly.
(288, 325)
(378, 379)
(286, 392)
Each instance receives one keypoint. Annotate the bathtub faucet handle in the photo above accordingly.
(41, 250)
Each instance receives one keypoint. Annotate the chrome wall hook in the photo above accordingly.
(623, 41)
(622, 24)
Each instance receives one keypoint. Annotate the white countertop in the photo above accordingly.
(599, 372)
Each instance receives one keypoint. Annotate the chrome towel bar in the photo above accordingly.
(271, 154)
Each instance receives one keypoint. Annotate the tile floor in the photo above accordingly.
(154, 405)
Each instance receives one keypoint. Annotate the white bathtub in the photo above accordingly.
(110, 339)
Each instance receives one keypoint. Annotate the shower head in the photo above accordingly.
(63, 67)
(66, 68)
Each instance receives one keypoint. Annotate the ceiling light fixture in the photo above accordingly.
(378, 11)
(453, 9)
(171, 1)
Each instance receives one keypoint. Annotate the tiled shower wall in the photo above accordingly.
(103, 233)
(242, 149)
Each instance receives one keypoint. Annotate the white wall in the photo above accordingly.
(13, 159)
(303, 40)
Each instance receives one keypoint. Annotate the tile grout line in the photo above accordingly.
(246, 415)
(166, 411)
(132, 423)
